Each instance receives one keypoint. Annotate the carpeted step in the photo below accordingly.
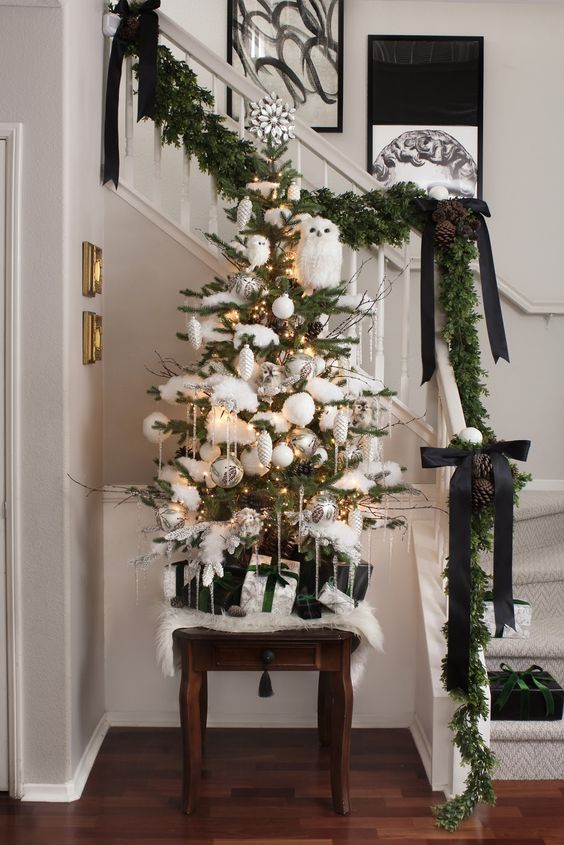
(539, 520)
(538, 577)
(545, 647)
(528, 750)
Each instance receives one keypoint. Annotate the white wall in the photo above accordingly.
(50, 66)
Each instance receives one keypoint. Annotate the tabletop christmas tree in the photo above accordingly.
(279, 435)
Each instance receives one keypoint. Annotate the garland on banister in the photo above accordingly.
(184, 112)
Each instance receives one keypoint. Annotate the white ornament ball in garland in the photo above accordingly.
(246, 362)
(171, 516)
(341, 428)
(472, 436)
(226, 472)
(244, 212)
(264, 448)
(438, 192)
(283, 307)
(299, 409)
(282, 456)
(293, 193)
(155, 435)
(194, 332)
(208, 452)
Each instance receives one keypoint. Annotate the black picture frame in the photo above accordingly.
(404, 90)
(289, 91)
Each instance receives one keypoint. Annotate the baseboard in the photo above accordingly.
(423, 747)
(549, 484)
(166, 719)
(72, 789)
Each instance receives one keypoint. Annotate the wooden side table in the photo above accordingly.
(323, 650)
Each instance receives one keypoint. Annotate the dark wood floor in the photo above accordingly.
(271, 788)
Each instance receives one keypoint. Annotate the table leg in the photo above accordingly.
(341, 719)
(191, 723)
(324, 708)
(204, 704)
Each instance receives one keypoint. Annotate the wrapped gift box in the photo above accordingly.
(335, 599)
(360, 574)
(307, 606)
(225, 593)
(267, 588)
(531, 694)
(523, 615)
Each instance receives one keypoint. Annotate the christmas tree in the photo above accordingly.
(279, 462)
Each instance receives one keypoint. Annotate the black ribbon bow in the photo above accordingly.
(458, 636)
(147, 37)
(490, 293)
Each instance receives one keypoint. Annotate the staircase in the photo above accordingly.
(534, 750)
(166, 187)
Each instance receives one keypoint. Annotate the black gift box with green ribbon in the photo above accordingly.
(307, 606)
(226, 590)
(525, 695)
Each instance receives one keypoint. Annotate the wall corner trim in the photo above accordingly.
(72, 789)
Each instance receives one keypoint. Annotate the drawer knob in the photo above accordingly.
(267, 657)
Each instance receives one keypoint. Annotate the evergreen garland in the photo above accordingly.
(184, 111)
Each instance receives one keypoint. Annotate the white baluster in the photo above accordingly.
(404, 376)
(325, 173)
(241, 117)
(380, 292)
(299, 161)
(185, 192)
(157, 166)
(353, 285)
(213, 225)
(128, 165)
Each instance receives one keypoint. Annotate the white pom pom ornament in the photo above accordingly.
(264, 448)
(244, 211)
(283, 307)
(299, 409)
(471, 436)
(246, 362)
(282, 456)
(208, 452)
(155, 435)
(194, 332)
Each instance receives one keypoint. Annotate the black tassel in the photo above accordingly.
(265, 687)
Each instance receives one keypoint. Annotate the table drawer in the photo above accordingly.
(251, 657)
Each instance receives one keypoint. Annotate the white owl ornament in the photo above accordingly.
(257, 250)
(319, 254)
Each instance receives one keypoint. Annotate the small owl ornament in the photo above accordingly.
(319, 254)
(257, 251)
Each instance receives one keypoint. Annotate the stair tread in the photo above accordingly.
(546, 640)
(537, 731)
(536, 503)
(545, 563)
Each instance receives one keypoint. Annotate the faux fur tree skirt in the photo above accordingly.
(361, 622)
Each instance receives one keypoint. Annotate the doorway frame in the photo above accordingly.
(12, 134)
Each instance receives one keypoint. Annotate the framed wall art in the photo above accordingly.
(295, 49)
(425, 110)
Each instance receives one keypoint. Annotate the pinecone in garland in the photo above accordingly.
(304, 468)
(314, 330)
(483, 493)
(468, 228)
(482, 466)
(128, 31)
(445, 232)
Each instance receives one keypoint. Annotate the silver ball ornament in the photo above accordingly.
(245, 284)
(304, 442)
(323, 508)
(172, 515)
(301, 365)
(226, 472)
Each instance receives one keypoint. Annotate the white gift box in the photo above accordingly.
(335, 599)
(523, 614)
(269, 590)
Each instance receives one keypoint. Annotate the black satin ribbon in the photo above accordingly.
(147, 40)
(490, 293)
(460, 516)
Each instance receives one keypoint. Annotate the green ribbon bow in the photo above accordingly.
(533, 677)
(273, 577)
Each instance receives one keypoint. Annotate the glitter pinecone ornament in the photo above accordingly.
(251, 500)
(244, 212)
(303, 468)
(194, 332)
(483, 493)
(445, 232)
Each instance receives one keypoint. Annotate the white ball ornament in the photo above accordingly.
(341, 428)
(194, 332)
(299, 409)
(304, 442)
(323, 508)
(320, 456)
(155, 435)
(264, 448)
(283, 307)
(226, 472)
(208, 452)
(171, 516)
(301, 365)
(471, 436)
(282, 456)
(438, 192)
(246, 362)
(244, 212)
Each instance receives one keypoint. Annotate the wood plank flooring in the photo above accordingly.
(271, 787)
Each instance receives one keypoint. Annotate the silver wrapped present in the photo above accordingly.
(268, 589)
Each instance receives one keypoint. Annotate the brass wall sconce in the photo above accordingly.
(92, 269)
(91, 337)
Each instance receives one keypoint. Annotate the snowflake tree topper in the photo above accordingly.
(272, 120)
